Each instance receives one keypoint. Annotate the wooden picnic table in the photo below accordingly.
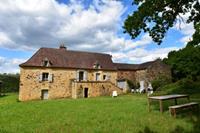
(166, 97)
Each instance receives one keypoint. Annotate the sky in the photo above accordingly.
(83, 25)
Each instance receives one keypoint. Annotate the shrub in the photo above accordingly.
(160, 81)
(133, 85)
(182, 86)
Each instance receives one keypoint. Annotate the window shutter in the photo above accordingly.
(85, 75)
(40, 78)
(77, 76)
(109, 77)
(50, 78)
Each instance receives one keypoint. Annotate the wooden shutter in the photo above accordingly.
(77, 76)
(85, 76)
(50, 78)
(40, 78)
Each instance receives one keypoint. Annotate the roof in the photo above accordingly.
(123, 66)
(62, 58)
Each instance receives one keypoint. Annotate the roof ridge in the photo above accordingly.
(77, 51)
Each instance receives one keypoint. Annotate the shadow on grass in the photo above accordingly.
(3, 95)
(195, 120)
(147, 130)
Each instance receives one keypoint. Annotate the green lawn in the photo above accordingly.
(127, 113)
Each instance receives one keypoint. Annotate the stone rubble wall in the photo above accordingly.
(95, 88)
(61, 87)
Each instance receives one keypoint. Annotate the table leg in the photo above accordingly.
(161, 106)
(175, 100)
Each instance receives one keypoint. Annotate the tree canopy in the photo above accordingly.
(157, 16)
(10, 82)
(185, 62)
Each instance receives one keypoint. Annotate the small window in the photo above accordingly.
(81, 75)
(104, 77)
(97, 76)
(46, 63)
(45, 76)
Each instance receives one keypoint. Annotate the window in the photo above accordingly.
(104, 77)
(81, 75)
(97, 76)
(46, 63)
(45, 76)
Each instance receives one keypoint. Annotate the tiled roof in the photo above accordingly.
(63, 58)
(123, 66)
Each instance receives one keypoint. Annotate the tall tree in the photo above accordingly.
(157, 16)
(185, 62)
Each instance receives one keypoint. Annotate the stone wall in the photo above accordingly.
(126, 74)
(95, 88)
(147, 75)
(61, 87)
(157, 69)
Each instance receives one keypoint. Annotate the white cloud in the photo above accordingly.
(140, 55)
(8, 65)
(186, 29)
(31, 24)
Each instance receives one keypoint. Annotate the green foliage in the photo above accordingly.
(185, 62)
(160, 81)
(10, 82)
(127, 113)
(183, 86)
(132, 85)
(157, 16)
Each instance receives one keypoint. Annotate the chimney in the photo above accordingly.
(62, 47)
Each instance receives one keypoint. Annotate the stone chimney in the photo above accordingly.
(62, 47)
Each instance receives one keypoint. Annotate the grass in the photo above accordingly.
(127, 113)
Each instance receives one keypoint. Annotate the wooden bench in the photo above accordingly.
(173, 109)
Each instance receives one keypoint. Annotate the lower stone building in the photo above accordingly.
(143, 73)
(60, 73)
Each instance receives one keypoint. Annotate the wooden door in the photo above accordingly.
(45, 94)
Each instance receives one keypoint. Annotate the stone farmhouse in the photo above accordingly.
(61, 73)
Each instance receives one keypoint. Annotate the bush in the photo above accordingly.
(186, 86)
(132, 85)
(159, 82)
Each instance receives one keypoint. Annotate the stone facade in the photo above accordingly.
(147, 75)
(95, 88)
(62, 84)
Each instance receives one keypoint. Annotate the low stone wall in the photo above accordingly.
(95, 88)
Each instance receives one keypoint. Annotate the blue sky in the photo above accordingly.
(84, 25)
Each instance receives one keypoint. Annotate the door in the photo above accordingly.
(45, 94)
(85, 92)
(121, 84)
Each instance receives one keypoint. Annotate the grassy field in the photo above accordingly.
(127, 113)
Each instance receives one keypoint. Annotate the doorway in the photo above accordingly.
(85, 92)
(45, 94)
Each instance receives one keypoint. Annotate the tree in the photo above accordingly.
(185, 62)
(157, 16)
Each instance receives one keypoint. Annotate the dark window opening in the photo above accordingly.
(46, 63)
(81, 75)
(45, 76)
(104, 77)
